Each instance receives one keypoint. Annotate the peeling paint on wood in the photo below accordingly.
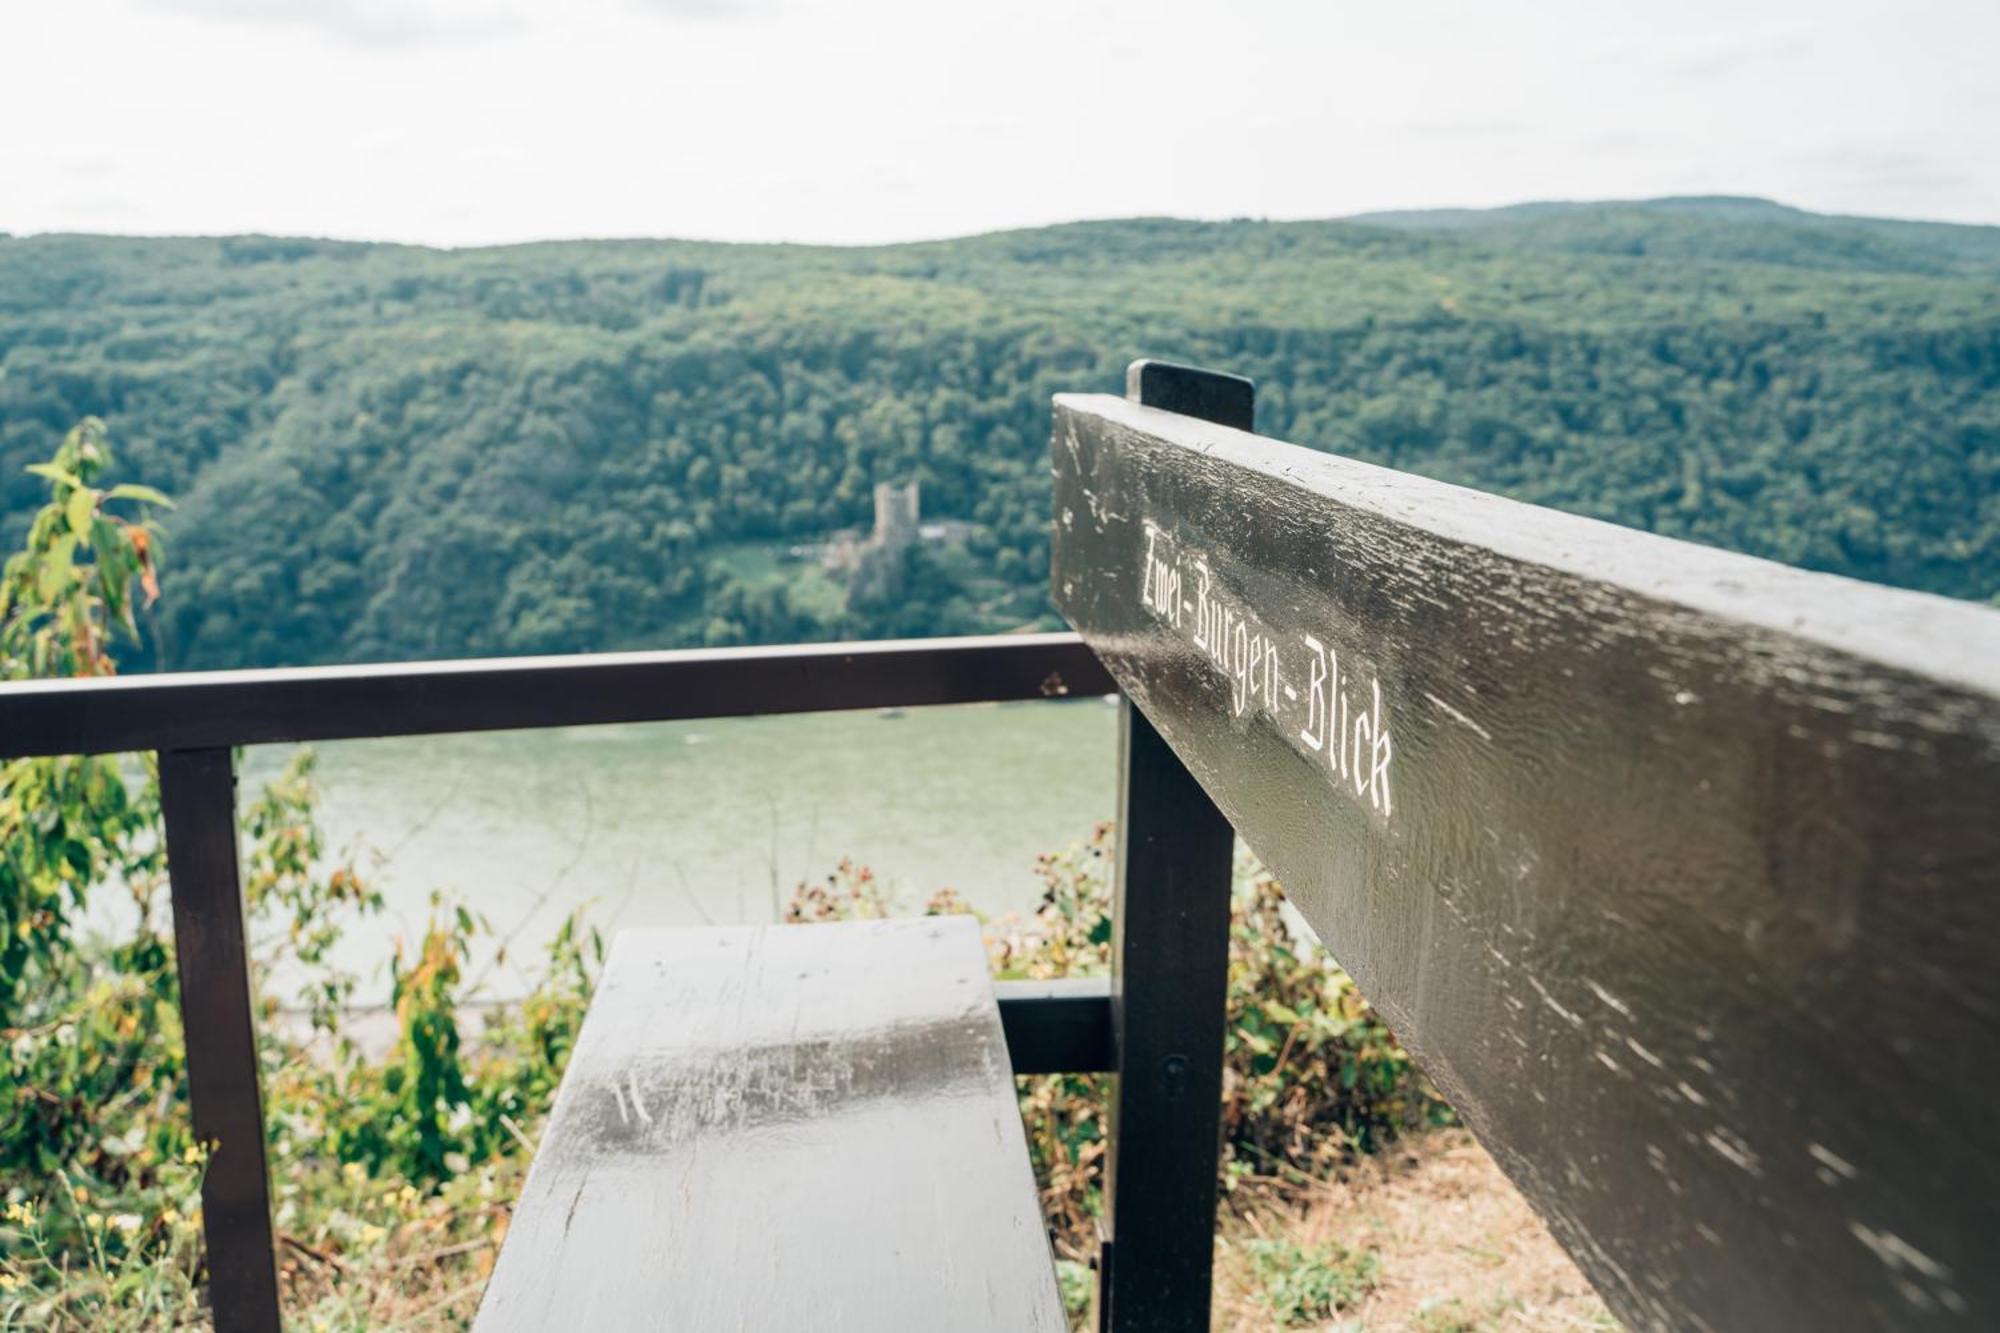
(1678, 870)
(784, 1128)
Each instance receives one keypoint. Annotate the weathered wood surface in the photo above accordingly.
(1678, 871)
(792, 1127)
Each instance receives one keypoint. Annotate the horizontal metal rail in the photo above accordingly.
(1057, 1027)
(209, 709)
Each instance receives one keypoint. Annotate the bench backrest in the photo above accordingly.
(1678, 871)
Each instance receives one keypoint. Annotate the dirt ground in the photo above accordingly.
(1457, 1250)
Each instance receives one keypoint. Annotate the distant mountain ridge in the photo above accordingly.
(389, 451)
(1726, 228)
(1721, 207)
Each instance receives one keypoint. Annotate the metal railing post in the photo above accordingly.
(198, 805)
(1170, 964)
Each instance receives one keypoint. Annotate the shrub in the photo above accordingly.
(1311, 1074)
(393, 1172)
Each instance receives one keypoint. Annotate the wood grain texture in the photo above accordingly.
(784, 1128)
(1679, 871)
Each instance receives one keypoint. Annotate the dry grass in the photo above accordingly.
(1457, 1249)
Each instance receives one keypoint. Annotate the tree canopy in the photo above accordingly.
(397, 452)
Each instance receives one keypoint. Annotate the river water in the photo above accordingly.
(698, 823)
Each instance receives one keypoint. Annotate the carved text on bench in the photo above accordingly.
(1322, 709)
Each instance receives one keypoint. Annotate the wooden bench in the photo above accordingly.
(1678, 871)
(792, 1127)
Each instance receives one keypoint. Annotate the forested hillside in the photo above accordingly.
(394, 452)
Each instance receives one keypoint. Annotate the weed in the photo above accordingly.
(1309, 1284)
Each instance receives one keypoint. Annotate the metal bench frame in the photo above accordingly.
(193, 721)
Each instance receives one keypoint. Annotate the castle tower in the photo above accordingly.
(896, 511)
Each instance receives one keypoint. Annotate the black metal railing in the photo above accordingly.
(195, 721)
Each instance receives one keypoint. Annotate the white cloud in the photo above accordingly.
(470, 121)
(709, 9)
(377, 24)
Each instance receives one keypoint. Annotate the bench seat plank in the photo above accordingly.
(783, 1128)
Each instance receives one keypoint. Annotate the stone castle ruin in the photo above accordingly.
(873, 565)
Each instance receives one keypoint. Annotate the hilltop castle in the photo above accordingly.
(873, 565)
(896, 516)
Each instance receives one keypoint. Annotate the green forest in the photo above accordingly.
(391, 452)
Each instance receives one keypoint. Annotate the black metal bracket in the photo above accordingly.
(1170, 963)
(1212, 395)
(1057, 1027)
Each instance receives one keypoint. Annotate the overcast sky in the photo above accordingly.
(474, 121)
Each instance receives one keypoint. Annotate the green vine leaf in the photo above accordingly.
(81, 510)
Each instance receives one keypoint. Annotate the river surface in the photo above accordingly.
(713, 822)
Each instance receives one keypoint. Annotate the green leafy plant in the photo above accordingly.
(304, 911)
(70, 822)
(1454, 1316)
(1305, 1285)
(394, 1168)
(1311, 1073)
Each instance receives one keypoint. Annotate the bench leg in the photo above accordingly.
(198, 807)
(1170, 962)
